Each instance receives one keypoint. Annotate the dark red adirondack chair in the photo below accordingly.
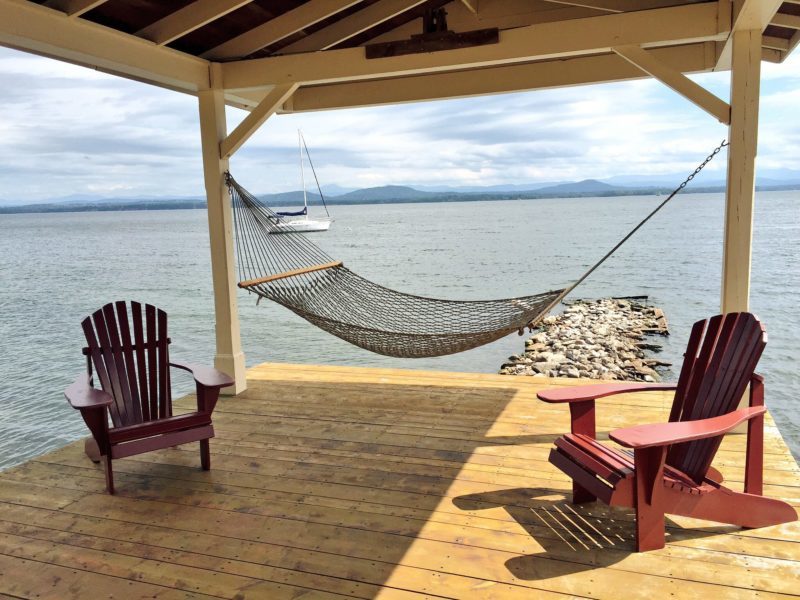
(129, 352)
(669, 469)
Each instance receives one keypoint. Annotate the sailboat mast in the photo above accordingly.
(302, 173)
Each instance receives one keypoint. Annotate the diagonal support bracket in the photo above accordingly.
(676, 80)
(263, 111)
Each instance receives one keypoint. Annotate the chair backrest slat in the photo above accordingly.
(689, 358)
(130, 363)
(98, 360)
(131, 358)
(141, 360)
(716, 378)
(165, 405)
(152, 359)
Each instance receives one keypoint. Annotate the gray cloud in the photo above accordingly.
(68, 130)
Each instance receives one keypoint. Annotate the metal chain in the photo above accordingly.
(608, 254)
(708, 159)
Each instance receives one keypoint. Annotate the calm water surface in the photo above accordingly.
(57, 268)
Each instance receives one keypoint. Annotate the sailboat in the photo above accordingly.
(299, 221)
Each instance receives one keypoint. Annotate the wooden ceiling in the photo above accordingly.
(229, 30)
(309, 54)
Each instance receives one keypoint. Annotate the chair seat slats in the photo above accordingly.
(612, 465)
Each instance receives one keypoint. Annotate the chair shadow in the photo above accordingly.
(576, 538)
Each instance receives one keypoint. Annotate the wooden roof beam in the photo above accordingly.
(278, 28)
(751, 15)
(676, 80)
(34, 28)
(74, 8)
(495, 80)
(190, 17)
(593, 35)
(346, 28)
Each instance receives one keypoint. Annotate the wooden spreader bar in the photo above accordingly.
(252, 282)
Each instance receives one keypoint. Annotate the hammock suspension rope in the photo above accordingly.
(294, 272)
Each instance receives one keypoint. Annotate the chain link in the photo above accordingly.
(708, 159)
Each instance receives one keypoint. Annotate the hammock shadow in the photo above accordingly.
(573, 538)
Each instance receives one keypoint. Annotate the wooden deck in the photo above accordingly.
(334, 482)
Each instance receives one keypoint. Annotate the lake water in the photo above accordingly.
(57, 268)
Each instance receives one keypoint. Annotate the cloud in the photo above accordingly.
(67, 130)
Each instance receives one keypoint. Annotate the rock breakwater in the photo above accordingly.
(596, 339)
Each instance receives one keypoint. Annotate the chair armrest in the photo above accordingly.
(665, 434)
(206, 376)
(600, 390)
(81, 395)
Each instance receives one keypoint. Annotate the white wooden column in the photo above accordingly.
(213, 130)
(740, 199)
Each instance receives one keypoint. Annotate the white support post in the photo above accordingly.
(229, 357)
(740, 199)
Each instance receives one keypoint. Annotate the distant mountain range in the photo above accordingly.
(388, 194)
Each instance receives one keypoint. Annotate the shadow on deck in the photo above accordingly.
(331, 482)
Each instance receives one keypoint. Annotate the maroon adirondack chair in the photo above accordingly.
(129, 351)
(669, 469)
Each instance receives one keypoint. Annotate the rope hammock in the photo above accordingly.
(294, 272)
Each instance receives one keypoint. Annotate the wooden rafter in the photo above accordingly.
(472, 5)
(356, 23)
(187, 19)
(788, 21)
(278, 28)
(676, 80)
(74, 8)
(616, 6)
(28, 26)
(507, 14)
(493, 80)
(776, 43)
(669, 26)
(396, 24)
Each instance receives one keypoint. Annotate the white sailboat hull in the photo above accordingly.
(302, 225)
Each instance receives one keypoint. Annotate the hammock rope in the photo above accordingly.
(297, 274)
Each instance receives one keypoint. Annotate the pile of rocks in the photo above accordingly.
(597, 339)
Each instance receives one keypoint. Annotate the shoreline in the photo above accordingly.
(605, 338)
(123, 205)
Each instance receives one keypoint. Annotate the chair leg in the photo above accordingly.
(205, 454)
(649, 477)
(91, 449)
(109, 474)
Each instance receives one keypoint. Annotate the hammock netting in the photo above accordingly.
(284, 266)
(355, 309)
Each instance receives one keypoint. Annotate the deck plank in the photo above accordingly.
(339, 482)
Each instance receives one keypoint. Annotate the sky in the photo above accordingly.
(67, 130)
